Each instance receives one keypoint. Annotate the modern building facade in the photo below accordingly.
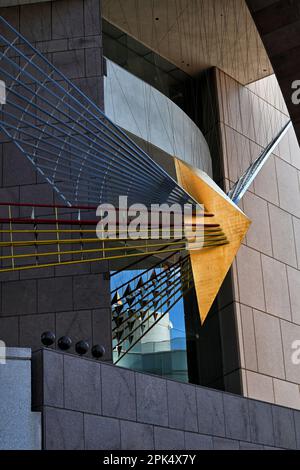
(193, 80)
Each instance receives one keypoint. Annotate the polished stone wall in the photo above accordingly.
(72, 300)
(266, 273)
(91, 405)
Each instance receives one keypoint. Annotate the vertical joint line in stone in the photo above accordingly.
(81, 241)
(57, 235)
(36, 244)
(11, 238)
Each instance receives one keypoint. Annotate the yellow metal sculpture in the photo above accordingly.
(210, 265)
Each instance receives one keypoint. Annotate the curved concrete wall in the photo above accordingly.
(145, 112)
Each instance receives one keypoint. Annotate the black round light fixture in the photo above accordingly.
(47, 338)
(64, 343)
(98, 351)
(82, 347)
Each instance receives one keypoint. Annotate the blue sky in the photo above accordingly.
(176, 313)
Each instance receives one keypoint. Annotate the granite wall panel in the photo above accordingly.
(268, 262)
(75, 416)
(69, 300)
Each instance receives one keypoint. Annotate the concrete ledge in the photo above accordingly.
(18, 353)
(20, 428)
(94, 405)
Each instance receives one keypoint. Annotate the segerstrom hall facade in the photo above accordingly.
(149, 345)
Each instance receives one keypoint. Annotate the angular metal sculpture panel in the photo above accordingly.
(241, 186)
(210, 265)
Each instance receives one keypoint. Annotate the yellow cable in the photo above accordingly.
(90, 260)
(48, 265)
(71, 241)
